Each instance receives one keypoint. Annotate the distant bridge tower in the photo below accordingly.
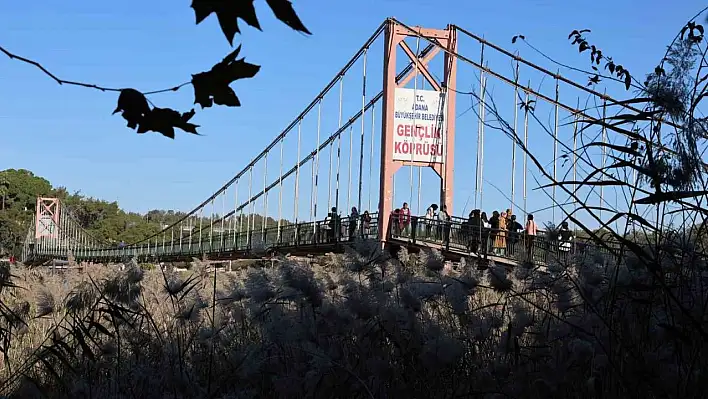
(47, 219)
(418, 125)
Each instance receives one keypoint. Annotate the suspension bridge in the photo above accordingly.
(354, 144)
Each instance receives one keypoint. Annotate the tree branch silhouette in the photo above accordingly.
(210, 87)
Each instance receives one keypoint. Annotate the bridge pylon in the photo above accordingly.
(418, 125)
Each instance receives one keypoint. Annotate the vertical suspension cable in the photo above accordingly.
(233, 218)
(339, 143)
(297, 171)
(181, 233)
(604, 153)
(264, 221)
(211, 225)
(420, 180)
(329, 176)
(526, 146)
(483, 109)
(349, 182)
(363, 130)
(312, 190)
(316, 165)
(555, 151)
(280, 189)
(515, 139)
(250, 202)
(223, 216)
(371, 154)
(415, 122)
(575, 160)
(201, 220)
(479, 129)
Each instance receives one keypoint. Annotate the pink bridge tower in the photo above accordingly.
(418, 125)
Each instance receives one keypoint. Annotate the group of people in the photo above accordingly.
(356, 223)
(437, 224)
(503, 231)
(506, 232)
(502, 228)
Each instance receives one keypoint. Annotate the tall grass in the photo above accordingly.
(359, 324)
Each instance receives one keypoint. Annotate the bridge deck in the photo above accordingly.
(454, 239)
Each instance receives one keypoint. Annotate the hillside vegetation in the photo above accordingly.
(104, 220)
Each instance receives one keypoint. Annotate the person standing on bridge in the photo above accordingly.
(353, 222)
(365, 224)
(334, 224)
(430, 217)
(444, 225)
(564, 238)
(405, 218)
(531, 231)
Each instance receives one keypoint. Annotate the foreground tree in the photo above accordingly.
(210, 87)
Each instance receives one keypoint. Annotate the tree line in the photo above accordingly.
(104, 220)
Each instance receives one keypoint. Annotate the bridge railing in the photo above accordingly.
(317, 233)
(459, 236)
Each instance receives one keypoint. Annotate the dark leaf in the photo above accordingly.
(522, 37)
(213, 86)
(513, 39)
(573, 33)
(699, 28)
(669, 196)
(133, 105)
(583, 46)
(164, 120)
(283, 10)
(627, 80)
(659, 71)
(227, 12)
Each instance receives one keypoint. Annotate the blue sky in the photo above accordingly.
(68, 135)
